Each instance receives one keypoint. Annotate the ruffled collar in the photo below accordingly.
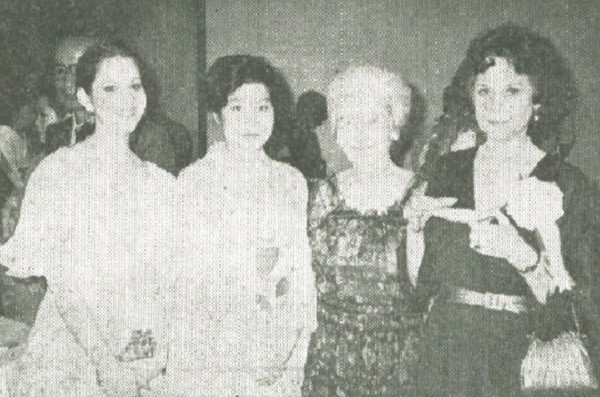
(547, 169)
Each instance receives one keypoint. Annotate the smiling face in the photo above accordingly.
(364, 130)
(117, 98)
(503, 101)
(248, 117)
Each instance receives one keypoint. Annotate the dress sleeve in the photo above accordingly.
(302, 292)
(43, 231)
(427, 279)
(580, 231)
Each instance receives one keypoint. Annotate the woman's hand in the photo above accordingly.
(117, 380)
(420, 208)
(267, 376)
(502, 240)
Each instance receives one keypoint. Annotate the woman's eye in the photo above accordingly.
(236, 108)
(109, 88)
(483, 91)
(513, 90)
(136, 86)
(264, 108)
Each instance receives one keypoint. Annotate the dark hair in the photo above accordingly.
(312, 108)
(530, 54)
(87, 66)
(230, 72)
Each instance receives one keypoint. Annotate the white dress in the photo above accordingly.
(235, 213)
(99, 231)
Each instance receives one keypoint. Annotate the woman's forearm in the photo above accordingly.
(415, 248)
(82, 325)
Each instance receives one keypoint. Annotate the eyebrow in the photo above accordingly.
(236, 99)
(514, 83)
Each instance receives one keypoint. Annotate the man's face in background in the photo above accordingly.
(66, 55)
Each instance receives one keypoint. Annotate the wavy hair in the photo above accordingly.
(530, 54)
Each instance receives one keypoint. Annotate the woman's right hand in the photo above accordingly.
(420, 207)
(117, 380)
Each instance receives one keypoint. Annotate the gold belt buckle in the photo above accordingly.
(493, 301)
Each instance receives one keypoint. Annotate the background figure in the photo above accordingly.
(334, 157)
(311, 113)
(401, 151)
(366, 340)
(74, 123)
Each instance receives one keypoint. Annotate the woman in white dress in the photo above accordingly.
(246, 303)
(91, 224)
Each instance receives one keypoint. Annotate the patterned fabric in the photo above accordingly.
(365, 343)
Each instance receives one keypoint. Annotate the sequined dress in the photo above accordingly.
(365, 342)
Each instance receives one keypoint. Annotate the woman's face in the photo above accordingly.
(503, 101)
(118, 98)
(364, 130)
(248, 117)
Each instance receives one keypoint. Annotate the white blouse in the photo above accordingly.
(99, 232)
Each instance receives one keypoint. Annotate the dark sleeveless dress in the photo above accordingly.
(366, 340)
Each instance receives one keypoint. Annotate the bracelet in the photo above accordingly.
(529, 269)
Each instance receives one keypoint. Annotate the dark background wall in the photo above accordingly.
(422, 39)
(169, 35)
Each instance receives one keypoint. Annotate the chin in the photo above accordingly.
(130, 124)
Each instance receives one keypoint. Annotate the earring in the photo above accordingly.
(536, 113)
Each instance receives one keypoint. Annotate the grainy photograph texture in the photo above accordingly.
(299, 198)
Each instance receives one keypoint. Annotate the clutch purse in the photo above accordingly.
(560, 364)
(141, 345)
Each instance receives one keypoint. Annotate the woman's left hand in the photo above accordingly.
(502, 240)
(268, 376)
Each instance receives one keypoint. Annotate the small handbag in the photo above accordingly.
(560, 364)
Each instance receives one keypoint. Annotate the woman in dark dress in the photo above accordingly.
(365, 342)
(485, 272)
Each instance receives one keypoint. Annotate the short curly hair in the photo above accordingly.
(530, 54)
(230, 72)
(370, 82)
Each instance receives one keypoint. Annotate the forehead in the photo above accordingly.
(117, 69)
(361, 104)
(71, 49)
(502, 73)
(250, 92)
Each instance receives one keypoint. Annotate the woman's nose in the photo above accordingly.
(496, 104)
